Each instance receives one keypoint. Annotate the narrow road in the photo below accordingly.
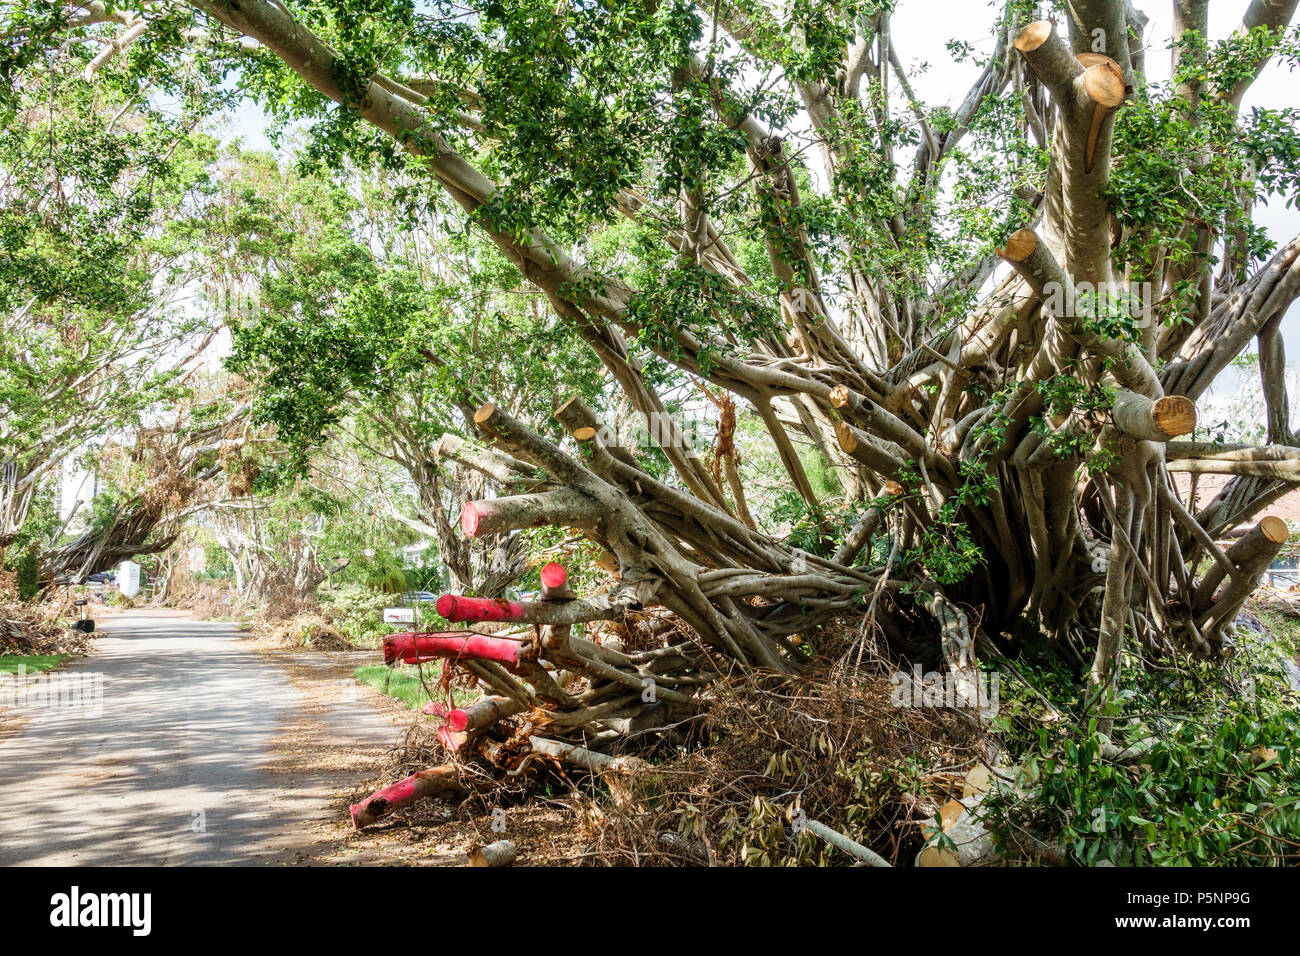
(183, 758)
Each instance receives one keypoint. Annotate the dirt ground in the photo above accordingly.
(435, 832)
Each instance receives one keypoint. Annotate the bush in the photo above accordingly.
(120, 600)
(426, 577)
(1218, 786)
(219, 567)
(306, 629)
(27, 572)
(357, 612)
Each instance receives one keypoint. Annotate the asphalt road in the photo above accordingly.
(177, 761)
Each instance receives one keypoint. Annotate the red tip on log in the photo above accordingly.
(392, 652)
(455, 717)
(454, 645)
(469, 519)
(554, 576)
(455, 608)
(450, 739)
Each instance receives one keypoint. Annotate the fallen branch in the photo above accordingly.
(414, 647)
(603, 607)
(561, 508)
(422, 783)
(481, 714)
(841, 842)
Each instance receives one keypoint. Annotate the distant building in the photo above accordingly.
(74, 490)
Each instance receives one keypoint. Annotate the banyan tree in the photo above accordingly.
(993, 320)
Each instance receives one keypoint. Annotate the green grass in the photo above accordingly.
(401, 683)
(34, 663)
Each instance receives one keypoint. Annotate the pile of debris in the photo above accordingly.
(518, 684)
(29, 629)
(720, 791)
(305, 629)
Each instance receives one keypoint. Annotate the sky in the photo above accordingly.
(920, 30)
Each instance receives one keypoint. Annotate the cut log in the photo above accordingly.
(482, 713)
(561, 508)
(1103, 84)
(456, 609)
(977, 780)
(1251, 555)
(584, 426)
(1035, 262)
(880, 458)
(1103, 81)
(1020, 245)
(602, 607)
(555, 583)
(414, 647)
(1260, 542)
(451, 740)
(963, 822)
(501, 853)
(1033, 36)
(422, 783)
(1149, 419)
(572, 754)
(964, 827)
(584, 758)
(1088, 60)
(936, 856)
(459, 723)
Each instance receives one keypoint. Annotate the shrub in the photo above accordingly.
(27, 573)
(357, 612)
(1219, 784)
